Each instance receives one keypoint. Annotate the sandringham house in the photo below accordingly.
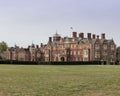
(76, 48)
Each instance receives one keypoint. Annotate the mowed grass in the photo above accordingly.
(46, 80)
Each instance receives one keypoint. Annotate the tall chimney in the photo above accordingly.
(74, 34)
(50, 39)
(94, 36)
(41, 45)
(97, 36)
(81, 35)
(89, 35)
(37, 46)
(103, 36)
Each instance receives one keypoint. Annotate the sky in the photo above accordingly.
(23, 22)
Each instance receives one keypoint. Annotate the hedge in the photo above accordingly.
(52, 63)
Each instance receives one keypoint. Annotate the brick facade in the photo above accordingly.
(118, 55)
(80, 48)
(75, 48)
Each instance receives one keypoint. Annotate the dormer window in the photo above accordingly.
(104, 46)
(112, 47)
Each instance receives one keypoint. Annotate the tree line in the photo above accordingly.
(3, 46)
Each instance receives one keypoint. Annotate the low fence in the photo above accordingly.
(53, 63)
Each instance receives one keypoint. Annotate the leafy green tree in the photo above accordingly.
(3, 46)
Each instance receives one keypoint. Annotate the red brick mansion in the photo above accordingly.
(75, 48)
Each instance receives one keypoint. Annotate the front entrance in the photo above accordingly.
(62, 59)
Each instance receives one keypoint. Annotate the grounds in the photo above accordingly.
(67, 80)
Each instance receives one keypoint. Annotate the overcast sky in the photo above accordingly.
(25, 21)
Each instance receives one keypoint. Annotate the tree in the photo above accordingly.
(3, 46)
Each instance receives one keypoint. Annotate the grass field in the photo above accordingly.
(39, 80)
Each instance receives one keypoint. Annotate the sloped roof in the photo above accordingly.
(78, 39)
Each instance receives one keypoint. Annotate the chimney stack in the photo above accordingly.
(50, 39)
(28, 47)
(41, 45)
(94, 36)
(103, 36)
(74, 34)
(37, 46)
(81, 35)
(89, 35)
(97, 36)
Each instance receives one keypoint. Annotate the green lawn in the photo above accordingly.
(39, 80)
